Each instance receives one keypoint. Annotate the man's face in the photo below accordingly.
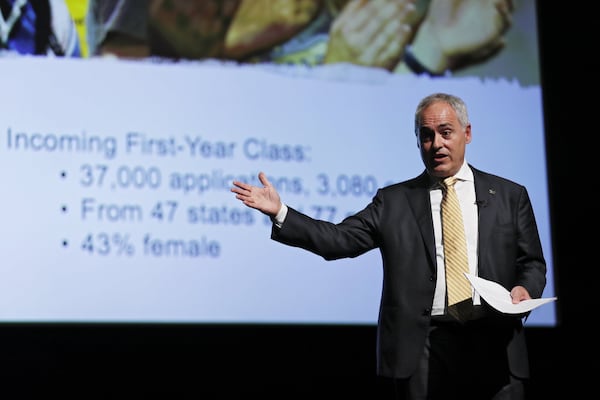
(442, 140)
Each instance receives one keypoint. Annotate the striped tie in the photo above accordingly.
(455, 247)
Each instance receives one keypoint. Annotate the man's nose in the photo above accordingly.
(437, 141)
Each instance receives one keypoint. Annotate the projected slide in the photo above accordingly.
(117, 157)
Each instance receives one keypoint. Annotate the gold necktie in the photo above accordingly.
(455, 247)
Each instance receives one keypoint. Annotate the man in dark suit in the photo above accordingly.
(428, 353)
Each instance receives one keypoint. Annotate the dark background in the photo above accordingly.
(100, 361)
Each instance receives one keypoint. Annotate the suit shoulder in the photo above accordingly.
(496, 179)
(407, 185)
(405, 191)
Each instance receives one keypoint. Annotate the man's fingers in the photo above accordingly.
(239, 185)
(263, 179)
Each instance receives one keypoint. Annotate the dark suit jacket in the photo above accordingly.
(398, 221)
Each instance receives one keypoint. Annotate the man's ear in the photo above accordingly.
(468, 134)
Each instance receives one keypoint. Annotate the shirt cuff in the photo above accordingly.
(280, 216)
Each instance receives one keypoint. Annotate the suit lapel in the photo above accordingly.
(487, 207)
(421, 205)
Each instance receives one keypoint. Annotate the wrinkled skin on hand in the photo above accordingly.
(264, 199)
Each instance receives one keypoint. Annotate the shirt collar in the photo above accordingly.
(464, 174)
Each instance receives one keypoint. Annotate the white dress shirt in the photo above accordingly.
(465, 190)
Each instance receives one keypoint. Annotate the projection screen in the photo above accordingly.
(117, 155)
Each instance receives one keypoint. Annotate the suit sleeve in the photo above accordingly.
(352, 237)
(531, 265)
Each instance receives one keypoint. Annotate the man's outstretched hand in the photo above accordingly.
(264, 199)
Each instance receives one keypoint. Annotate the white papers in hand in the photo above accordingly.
(499, 298)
